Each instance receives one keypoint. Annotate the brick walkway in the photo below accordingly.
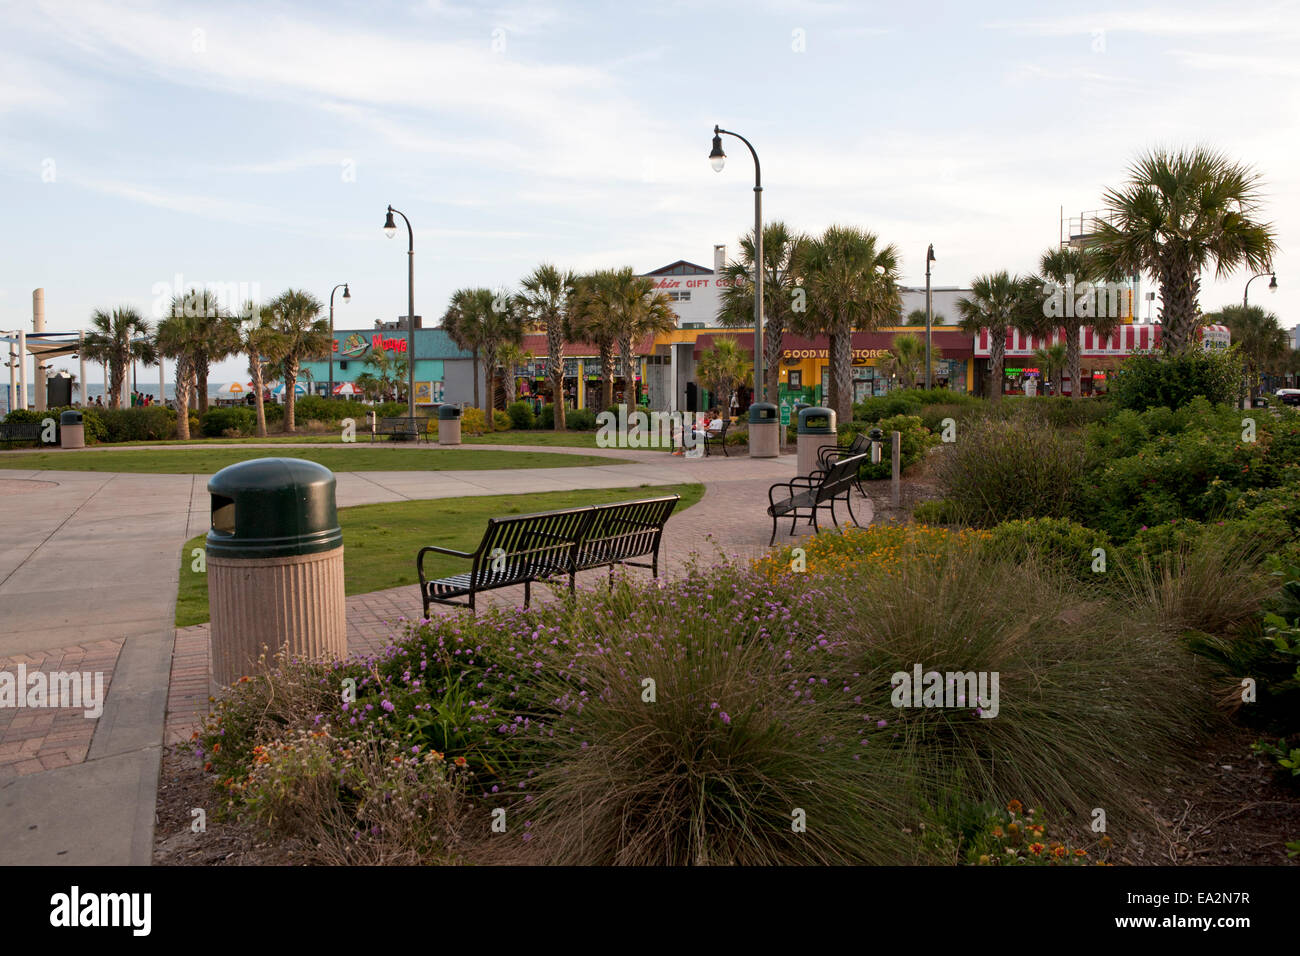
(45, 738)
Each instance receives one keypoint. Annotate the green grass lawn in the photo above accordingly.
(205, 461)
(542, 439)
(380, 541)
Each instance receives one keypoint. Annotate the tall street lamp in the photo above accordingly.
(390, 230)
(347, 297)
(718, 159)
(1272, 286)
(929, 314)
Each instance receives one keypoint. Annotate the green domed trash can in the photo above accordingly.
(816, 431)
(274, 565)
(764, 430)
(448, 424)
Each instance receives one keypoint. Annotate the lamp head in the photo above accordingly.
(717, 158)
(347, 296)
(1272, 285)
(929, 254)
(390, 227)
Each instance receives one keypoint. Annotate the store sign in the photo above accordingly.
(355, 346)
(823, 353)
(692, 283)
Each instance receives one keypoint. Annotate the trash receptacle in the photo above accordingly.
(448, 424)
(274, 565)
(72, 429)
(764, 430)
(816, 430)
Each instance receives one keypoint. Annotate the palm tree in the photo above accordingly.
(466, 321)
(722, 368)
(117, 339)
(260, 342)
(177, 337)
(216, 335)
(917, 317)
(1060, 270)
(645, 311)
(997, 302)
(595, 318)
(1262, 342)
(852, 283)
(511, 355)
(780, 302)
(1053, 359)
(302, 337)
(906, 358)
(545, 300)
(370, 385)
(503, 325)
(1178, 214)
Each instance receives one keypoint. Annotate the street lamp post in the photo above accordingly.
(718, 158)
(1272, 287)
(929, 315)
(347, 297)
(390, 230)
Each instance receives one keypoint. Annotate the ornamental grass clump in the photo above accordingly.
(702, 722)
(1089, 707)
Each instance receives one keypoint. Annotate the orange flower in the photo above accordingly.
(207, 767)
(1080, 852)
(997, 831)
(460, 761)
(1059, 851)
(1015, 806)
(1036, 849)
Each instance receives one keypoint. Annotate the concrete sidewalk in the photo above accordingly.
(88, 582)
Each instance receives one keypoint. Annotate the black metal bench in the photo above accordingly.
(522, 549)
(21, 431)
(861, 445)
(718, 438)
(400, 428)
(811, 493)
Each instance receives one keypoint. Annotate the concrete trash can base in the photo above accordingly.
(816, 431)
(764, 430)
(72, 430)
(274, 565)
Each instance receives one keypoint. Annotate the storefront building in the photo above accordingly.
(443, 372)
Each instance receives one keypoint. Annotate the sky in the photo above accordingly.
(148, 144)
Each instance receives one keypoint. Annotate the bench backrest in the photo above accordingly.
(513, 549)
(406, 423)
(626, 529)
(21, 429)
(841, 476)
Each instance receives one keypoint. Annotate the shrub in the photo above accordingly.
(91, 420)
(334, 410)
(914, 440)
(1004, 470)
(521, 415)
(580, 420)
(218, 421)
(547, 418)
(936, 512)
(1065, 546)
(473, 421)
(500, 421)
(914, 401)
(1154, 379)
(384, 410)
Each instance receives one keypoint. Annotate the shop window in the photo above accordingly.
(796, 379)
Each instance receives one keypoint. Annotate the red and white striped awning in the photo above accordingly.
(1124, 340)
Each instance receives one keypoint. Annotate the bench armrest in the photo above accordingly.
(419, 557)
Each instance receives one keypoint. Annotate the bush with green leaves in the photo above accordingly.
(580, 420)
(521, 415)
(91, 420)
(473, 422)
(911, 401)
(333, 410)
(1066, 546)
(546, 419)
(1003, 470)
(1154, 379)
(501, 422)
(914, 440)
(230, 422)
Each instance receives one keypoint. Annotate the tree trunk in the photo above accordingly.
(555, 368)
(201, 379)
(772, 336)
(182, 400)
(255, 367)
(606, 377)
(290, 394)
(490, 366)
(1072, 360)
(997, 355)
(841, 355)
(477, 403)
(116, 374)
(1180, 288)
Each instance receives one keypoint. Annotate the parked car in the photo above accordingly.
(1288, 396)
